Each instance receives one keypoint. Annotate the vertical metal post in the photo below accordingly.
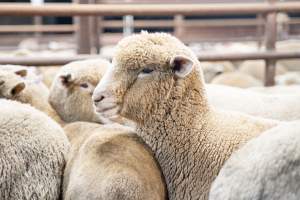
(94, 32)
(270, 43)
(83, 32)
(178, 28)
(260, 29)
(37, 20)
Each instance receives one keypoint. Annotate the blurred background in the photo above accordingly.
(97, 35)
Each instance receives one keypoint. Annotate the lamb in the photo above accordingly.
(32, 92)
(48, 74)
(72, 88)
(109, 162)
(289, 78)
(267, 167)
(256, 68)
(213, 69)
(275, 106)
(236, 79)
(32, 155)
(157, 82)
(278, 89)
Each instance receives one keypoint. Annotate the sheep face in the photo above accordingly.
(11, 84)
(147, 69)
(72, 89)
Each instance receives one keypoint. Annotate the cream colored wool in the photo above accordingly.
(36, 94)
(190, 139)
(32, 154)
(110, 162)
(236, 79)
(267, 167)
(278, 89)
(213, 69)
(48, 73)
(72, 88)
(273, 106)
(256, 68)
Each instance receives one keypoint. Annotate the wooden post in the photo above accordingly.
(270, 43)
(94, 32)
(83, 32)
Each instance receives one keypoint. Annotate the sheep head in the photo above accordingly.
(147, 70)
(11, 84)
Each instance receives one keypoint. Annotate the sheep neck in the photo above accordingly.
(172, 136)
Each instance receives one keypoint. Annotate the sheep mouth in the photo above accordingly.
(109, 112)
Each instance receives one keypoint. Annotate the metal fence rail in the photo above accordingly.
(49, 9)
(269, 9)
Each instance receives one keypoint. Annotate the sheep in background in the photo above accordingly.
(110, 162)
(32, 154)
(72, 88)
(289, 46)
(236, 79)
(256, 68)
(33, 92)
(289, 78)
(278, 89)
(267, 167)
(279, 107)
(48, 74)
(157, 82)
(213, 69)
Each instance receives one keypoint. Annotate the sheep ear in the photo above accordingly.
(2, 82)
(66, 79)
(21, 72)
(181, 65)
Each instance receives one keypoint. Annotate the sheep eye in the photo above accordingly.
(84, 85)
(147, 71)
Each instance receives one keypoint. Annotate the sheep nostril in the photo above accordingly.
(99, 99)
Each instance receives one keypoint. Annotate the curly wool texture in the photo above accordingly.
(190, 139)
(267, 167)
(110, 162)
(70, 101)
(272, 106)
(35, 93)
(33, 150)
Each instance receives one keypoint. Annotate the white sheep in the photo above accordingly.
(213, 69)
(109, 162)
(32, 154)
(236, 79)
(256, 68)
(48, 74)
(275, 106)
(157, 82)
(278, 89)
(289, 46)
(289, 78)
(33, 92)
(72, 88)
(267, 167)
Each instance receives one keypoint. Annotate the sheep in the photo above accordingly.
(278, 89)
(32, 154)
(110, 162)
(289, 46)
(276, 106)
(236, 79)
(72, 88)
(256, 68)
(48, 74)
(267, 167)
(157, 82)
(213, 69)
(12, 86)
(289, 78)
